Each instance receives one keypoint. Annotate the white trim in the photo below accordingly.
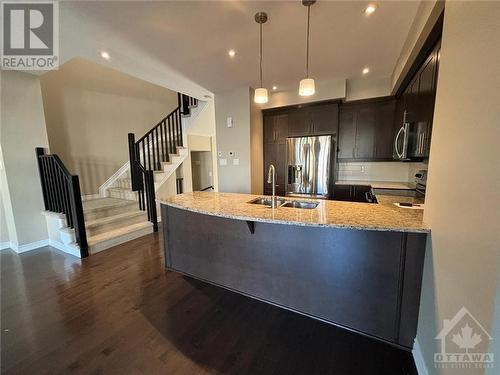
(29, 246)
(418, 358)
(4, 245)
(114, 177)
(65, 249)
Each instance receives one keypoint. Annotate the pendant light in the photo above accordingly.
(306, 86)
(260, 95)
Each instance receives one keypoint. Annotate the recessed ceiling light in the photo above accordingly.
(275, 88)
(366, 70)
(105, 55)
(370, 9)
(231, 53)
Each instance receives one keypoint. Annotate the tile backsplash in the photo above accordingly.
(379, 171)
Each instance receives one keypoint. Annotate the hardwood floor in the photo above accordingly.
(121, 312)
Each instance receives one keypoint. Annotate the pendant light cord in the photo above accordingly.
(260, 54)
(307, 44)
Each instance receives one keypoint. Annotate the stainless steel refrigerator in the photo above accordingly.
(311, 163)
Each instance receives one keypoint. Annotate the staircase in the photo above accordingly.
(127, 207)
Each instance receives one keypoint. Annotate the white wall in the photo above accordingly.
(235, 104)
(90, 109)
(22, 129)
(463, 201)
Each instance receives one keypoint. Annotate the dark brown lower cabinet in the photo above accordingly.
(366, 281)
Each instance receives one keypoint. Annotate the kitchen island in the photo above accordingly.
(355, 265)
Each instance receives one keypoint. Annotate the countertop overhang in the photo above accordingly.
(384, 216)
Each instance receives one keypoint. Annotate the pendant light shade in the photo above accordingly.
(260, 95)
(306, 86)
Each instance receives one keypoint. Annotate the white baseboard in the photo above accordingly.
(38, 244)
(4, 245)
(26, 247)
(418, 358)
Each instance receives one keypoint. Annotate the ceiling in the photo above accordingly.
(193, 38)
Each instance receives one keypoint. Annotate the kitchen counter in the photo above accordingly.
(355, 265)
(384, 216)
(380, 184)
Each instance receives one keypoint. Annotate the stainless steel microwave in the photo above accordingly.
(412, 140)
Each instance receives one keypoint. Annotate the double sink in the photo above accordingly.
(280, 202)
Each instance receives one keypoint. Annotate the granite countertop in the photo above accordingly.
(384, 216)
(380, 184)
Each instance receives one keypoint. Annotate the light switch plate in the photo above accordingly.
(222, 161)
(236, 161)
(229, 122)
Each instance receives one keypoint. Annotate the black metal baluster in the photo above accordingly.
(181, 141)
(149, 152)
(153, 147)
(161, 142)
(39, 151)
(53, 185)
(78, 218)
(158, 150)
(171, 133)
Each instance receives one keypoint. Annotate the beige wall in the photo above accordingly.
(325, 90)
(22, 129)
(89, 110)
(462, 203)
(367, 87)
(235, 104)
(201, 136)
(4, 232)
(256, 147)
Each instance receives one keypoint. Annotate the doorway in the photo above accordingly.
(201, 169)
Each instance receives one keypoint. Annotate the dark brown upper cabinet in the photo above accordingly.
(319, 119)
(417, 101)
(366, 130)
(275, 134)
(275, 128)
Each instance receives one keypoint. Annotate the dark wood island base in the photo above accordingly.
(367, 281)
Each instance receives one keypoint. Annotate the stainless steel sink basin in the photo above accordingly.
(280, 202)
(267, 201)
(301, 204)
